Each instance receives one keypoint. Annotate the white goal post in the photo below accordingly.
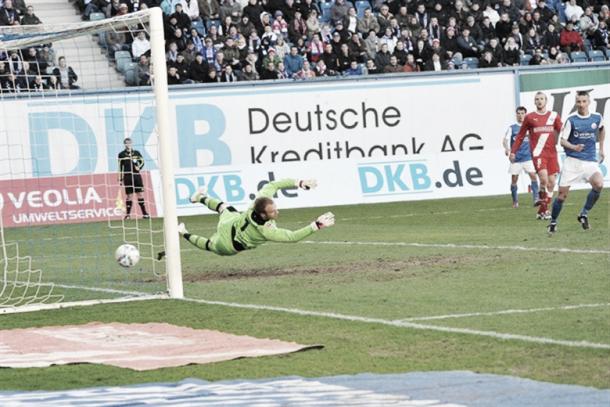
(58, 146)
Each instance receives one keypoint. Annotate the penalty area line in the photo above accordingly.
(506, 312)
(460, 246)
(408, 325)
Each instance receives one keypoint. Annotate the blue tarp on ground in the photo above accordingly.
(411, 389)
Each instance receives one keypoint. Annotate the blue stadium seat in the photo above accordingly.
(597, 55)
(471, 62)
(199, 26)
(97, 16)
(122, 58)
(525, 59)
(130, 74)
(579, 57)
(325, 9)
(102, 40)
(361, 5)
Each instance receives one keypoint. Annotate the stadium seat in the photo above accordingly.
(122, 58)
(199, 26)
(96, 16)
(471, 62)
(325, 8)
(361, 5)
(130, 73)
(525, 59)
(579, 57)
(597, 55)
(102, 40)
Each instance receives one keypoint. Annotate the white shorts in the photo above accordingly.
(575, 171)
(526, 166)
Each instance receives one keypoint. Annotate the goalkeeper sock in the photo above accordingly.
(142, 206)
(592, 197)
(198, 241)
(535, 189)
(557, 205)
(128, 205)
(513, 192)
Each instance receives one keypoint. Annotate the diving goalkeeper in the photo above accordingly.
(238, 231)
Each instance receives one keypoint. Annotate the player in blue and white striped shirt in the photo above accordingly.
(579, 135)
(523, 157)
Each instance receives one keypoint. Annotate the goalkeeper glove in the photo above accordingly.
(323, 221)
(307, 184)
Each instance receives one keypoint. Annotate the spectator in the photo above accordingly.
(422, 15)
(383, 19)
(344, 58)
(383, 57)
(269, 72)
(488, 60)
(389, 39)
(355, 69)
(248, 74)
(32, 57)
(198, 69)
(183, 69)
(228, 75)
(183, 21)
(65, 75)
(368, 22)
(173, 77)
(321, 69)
(143, 71)
(503, 27)
(339, 10)
(297, 27)
(172, 53)
(306, 72)
(212, 76)
(38, 85)
(573, 11)
(400, 53)
(410, 65)
(587, 20)
(8, 14)
(371, 68)
(313, 24)
(140, 45)
(393, 66)
(436, 64)
(254, 10)
(293, 62)
(512, 56)
(372, 44)
(449, 42)
(422, 53)
(435, 31)
(245, 26)
(231, 53)
(496, 50)
(191, 9)
(357, 48)
(550, 38)
(532, 42)
(280, 26)
(570, 40)
(272, 57)
(597, 40)
(546, 14)
(315, 48)
(509, 8)
(329, 57)
(209, 10)
(29, 18)
(350, 21)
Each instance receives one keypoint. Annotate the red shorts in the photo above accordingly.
(548, 163)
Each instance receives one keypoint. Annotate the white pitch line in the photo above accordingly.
(505, 312)
(460, 246)
(410, 325)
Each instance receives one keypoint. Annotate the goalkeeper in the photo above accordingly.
(238, 231)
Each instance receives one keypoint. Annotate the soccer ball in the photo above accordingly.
(127, 255)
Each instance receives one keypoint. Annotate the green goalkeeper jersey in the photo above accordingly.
(251, 233)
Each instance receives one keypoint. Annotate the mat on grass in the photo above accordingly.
(134, 346)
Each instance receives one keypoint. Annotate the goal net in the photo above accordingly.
(71, 191)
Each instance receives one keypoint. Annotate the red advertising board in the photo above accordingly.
(70, 199)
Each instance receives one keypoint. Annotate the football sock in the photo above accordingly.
(557, 205)
(535, 189)
(128, 205)
(513, 192)
(592, 197)
(197, 241)
(142, 206)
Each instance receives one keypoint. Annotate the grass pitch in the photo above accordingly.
(402, 261)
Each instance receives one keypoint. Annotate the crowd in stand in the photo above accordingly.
(208, 41)
(33, 69)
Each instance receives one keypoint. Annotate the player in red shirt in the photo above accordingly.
(543, 127)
